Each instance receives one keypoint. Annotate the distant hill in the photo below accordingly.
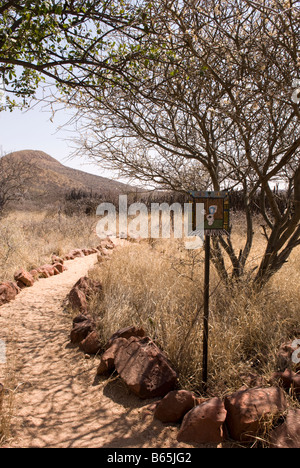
(51, 180)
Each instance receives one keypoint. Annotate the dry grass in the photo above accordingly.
(29, 239)
(159, 285)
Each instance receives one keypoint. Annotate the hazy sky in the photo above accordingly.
(33, 129)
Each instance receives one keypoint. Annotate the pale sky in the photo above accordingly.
(32, 129)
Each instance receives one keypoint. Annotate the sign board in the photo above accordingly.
(216, 211)
(215, 208)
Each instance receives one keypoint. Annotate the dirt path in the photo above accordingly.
(58, 403)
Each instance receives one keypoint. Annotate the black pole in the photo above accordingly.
(206, 313)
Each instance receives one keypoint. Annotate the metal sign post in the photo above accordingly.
(206, 313)
(216, 222)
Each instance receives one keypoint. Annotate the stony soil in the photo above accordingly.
(58, 402)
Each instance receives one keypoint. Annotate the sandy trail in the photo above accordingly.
(58, 403)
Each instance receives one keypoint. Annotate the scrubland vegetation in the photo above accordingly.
(176, 95)
(159, 284)
(28, 239)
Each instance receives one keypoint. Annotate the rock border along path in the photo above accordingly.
(58, 403)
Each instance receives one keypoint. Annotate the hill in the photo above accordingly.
(50, 180)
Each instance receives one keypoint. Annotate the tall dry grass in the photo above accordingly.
(159, 285)
(28, 239)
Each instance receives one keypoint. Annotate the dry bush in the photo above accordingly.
(29, 239)
(159, 285)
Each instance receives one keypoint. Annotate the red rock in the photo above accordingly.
(24, 277)
(144, 368)
(295, 386)
(246, 410)
(88, 286)
(59, 267)
(106, 244)
(14, 285)
(82, 292)
(80, 331)
(35, 274)
(287, 435)
(89, 251)
(77, 300)
(174, 406)
(55, 259)
(76, 253)
(107, 362)
(126, 332)
(43, 273)
(204, 423)
(91, 344)
(80, 318)
(69, 257)
(47, 270)
(8, 292)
